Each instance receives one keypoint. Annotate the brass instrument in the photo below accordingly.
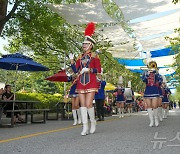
(152, 66)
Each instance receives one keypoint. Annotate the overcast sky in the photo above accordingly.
(2, 43)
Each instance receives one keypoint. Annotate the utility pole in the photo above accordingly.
(65, 69)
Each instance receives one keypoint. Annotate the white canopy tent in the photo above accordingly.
(151, 21)
(133, 10)
(162, 71)
(82, 13)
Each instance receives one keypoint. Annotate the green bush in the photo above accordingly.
(46, 100)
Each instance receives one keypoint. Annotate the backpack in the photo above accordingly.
(128, 94)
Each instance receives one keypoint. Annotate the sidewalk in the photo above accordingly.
(128, 135)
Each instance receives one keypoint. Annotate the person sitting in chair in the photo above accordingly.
(8, 95)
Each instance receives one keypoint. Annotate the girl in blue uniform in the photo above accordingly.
(159, 83)
(75, 102)
(120, 99)
(151, 93)
(165, 100)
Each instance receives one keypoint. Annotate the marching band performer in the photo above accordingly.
(129, 96)
(120, 99)
(151, 93)
(165, 100)
(159, 83)
(75, 101)
(87, 66)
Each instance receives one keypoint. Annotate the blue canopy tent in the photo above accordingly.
(163, 52)
(20, 62)
(131, 62)
(137, 65)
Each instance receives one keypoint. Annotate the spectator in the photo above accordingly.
(171, 105)
(7, 96)
(1, 92)
(108, 109)
(1, 105)
(129, 96)
(99, 98)
(141, 105)
(136, 107)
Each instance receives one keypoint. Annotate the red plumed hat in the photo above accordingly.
(89, 31)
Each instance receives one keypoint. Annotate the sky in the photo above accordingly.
(2, 43)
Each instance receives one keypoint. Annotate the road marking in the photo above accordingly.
(50, 131)
(36, 134)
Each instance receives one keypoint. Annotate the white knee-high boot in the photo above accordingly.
(79, 116)
(150, 114)
(122, 110)
(74, 117)
(119, 111)
(156, 117)
(160, 113)
(84, 120)
(165, 113)
(130, 111)
(168, 110)
(92, 119)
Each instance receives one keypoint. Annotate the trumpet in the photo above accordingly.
(152, 66)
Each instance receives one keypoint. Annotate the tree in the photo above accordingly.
(46, 37)
(175, 44)
(37, 31)
(4, 17)
(175, 1)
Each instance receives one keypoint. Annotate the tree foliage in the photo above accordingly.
(176, 1)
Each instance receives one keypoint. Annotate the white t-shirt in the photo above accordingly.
(128, 94)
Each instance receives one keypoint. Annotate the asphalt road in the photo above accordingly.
(128, 135)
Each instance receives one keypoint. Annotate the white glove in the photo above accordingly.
(71, 56)
(98, 79)
(84, 70)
